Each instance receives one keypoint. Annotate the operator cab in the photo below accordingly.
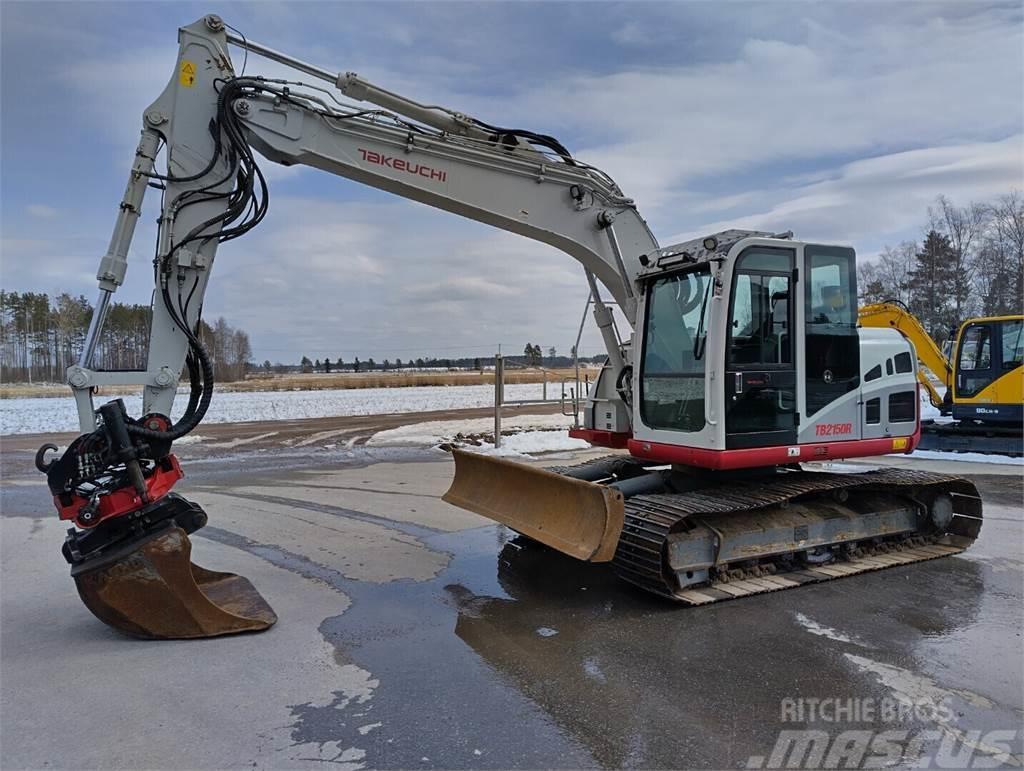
(750, 353)
(989, 355)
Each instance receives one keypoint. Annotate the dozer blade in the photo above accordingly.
(151, 589)
(581, 519)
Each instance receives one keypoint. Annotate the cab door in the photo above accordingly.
(831, 342)
(760, 381)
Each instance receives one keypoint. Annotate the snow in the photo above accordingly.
(533, 434)
(47, 415)
(434, 432)
(531, 443)
(931, 412)
(966, 457)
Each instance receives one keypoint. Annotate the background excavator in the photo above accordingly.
(744, 360)
(980, 373)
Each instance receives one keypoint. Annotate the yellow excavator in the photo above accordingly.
(981, 378)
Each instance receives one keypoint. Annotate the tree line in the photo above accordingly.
(969, 263)
(40, 337)
(532, 356)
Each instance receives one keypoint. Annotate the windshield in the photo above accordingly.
(672, 369)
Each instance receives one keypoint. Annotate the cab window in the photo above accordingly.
(974, 360)
(672, 367)
(976, 348)
(1013, 343)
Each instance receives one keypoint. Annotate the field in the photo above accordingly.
(31, 415)
(407, 378)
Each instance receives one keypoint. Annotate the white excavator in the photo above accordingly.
(743, 362)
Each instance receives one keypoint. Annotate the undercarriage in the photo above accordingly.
(702, 538)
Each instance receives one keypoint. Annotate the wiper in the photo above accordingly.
(700, 341)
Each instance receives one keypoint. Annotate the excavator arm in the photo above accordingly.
(130, 558)
(209, 120)
(893, 316)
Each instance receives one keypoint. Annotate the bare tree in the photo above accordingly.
(1008, 227)
(963, 227)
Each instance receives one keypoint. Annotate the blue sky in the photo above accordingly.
(840, 121)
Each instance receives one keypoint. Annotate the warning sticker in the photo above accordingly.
(187, 74)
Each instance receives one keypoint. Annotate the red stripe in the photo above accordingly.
(723, 460)
(611, 439)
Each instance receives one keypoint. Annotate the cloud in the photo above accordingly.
(874, 200)
(41, 210)
(460, 289)
(358, 279)
(840, 121)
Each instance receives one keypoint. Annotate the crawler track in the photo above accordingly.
(654, 522)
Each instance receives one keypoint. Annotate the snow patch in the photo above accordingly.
(966, 457)
(531, 443)
(530, 434)
(190, 439)
(432, 433)
(49, 415)
(546, 631)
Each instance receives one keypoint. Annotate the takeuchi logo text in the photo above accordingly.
(401, 164)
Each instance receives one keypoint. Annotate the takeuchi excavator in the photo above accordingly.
(743, 362)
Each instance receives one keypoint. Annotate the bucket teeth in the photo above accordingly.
(151, 589)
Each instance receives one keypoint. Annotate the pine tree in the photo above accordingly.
(931, 285)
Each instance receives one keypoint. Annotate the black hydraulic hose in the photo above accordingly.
(201, 392)
(545, 140)
(187, 422)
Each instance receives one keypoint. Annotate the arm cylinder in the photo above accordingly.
(114, 264)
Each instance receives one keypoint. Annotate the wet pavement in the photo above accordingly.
(416, 635)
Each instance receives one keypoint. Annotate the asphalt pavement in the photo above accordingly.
(416, 635)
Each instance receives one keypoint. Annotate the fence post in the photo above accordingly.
(499, 396)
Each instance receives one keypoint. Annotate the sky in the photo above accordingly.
(839, 121)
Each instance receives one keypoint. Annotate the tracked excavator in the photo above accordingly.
(742, 364)
(981, 377)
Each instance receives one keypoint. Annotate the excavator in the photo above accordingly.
(741, 372)
(982, 374)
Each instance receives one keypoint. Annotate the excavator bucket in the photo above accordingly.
(151, 589)
(578, 518)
